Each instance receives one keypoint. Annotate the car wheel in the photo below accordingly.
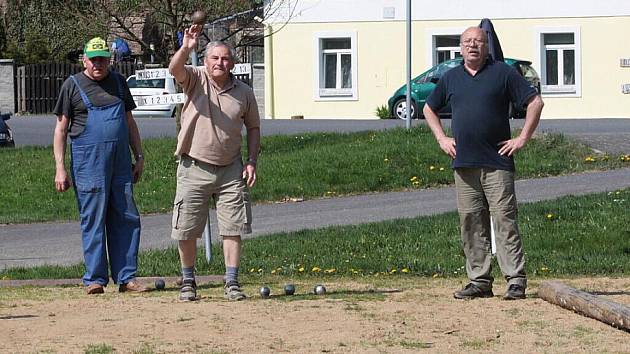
(400, 109)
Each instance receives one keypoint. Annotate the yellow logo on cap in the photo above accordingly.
(96, 44)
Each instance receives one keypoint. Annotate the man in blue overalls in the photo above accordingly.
(94, 108)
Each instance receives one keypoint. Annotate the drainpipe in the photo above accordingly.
(269, 94)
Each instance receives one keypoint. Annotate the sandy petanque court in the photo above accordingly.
(364, 315)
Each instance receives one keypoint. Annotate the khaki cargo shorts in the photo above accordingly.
(199, 182)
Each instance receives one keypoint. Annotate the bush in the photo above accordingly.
(383, 112)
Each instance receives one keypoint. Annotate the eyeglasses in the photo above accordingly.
(472, 41)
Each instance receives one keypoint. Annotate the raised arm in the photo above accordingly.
(191, 38)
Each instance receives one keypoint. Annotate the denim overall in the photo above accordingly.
(101, 171)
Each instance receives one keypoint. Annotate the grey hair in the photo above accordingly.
(214, 44)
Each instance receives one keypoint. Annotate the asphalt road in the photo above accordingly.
(610, 135)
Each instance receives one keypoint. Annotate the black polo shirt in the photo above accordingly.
(480, 111)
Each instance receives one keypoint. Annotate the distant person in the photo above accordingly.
(120, 50)
(479, 92)
(114, 53)
(94, 108)
(210, 165)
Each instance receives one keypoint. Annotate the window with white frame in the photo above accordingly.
(336, 63)
(446, 48)
(560, 61)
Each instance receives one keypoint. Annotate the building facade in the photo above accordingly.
(344, 58)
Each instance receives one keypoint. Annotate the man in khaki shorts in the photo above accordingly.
(210, 165)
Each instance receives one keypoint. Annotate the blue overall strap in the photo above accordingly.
(84, 97)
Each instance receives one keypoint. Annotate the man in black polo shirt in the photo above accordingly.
(479, 92)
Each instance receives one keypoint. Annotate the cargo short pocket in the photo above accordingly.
(247, 225)
(177, 210)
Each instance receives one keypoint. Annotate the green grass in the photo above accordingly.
(570, 236)
(306, 166)
(99, 349)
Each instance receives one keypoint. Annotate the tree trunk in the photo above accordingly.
(610, 312)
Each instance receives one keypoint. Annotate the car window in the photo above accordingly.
(426, 77)
(438, 71)
(131, 82)
(528, 72)
(151, 83)
(446, 66)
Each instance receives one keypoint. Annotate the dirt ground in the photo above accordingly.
(368, 315)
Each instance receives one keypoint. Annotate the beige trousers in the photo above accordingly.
(482, 193)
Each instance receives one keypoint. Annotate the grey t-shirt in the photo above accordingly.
(100, 93)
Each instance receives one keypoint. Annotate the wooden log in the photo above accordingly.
(604, 310)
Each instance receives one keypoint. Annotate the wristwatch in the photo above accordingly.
(251, 162)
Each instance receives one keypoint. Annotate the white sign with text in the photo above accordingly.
(157, 100)
(162, 73)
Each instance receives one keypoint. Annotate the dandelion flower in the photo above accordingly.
(316, 269)
(301, 269)
(431, 167)
(405, 270)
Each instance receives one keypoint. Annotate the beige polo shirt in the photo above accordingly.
(212, 118)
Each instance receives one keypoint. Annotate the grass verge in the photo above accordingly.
(571, 236)
(304, 166)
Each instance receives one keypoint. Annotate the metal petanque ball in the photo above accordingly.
(198, 17)
(160, 284)
(319, 290)
(265, 292)
(289, 289)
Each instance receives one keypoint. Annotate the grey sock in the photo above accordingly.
(188, 273)
(231, 274)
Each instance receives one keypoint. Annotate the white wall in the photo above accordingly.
(303, 11)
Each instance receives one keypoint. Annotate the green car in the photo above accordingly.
(423, 84)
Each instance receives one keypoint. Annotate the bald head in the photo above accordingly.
(472, 32)
(474, 47)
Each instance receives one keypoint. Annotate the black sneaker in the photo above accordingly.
(472, 291)
(514, 292)
(188, 291)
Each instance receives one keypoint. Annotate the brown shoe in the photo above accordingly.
(132, 286)
(94, 288)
